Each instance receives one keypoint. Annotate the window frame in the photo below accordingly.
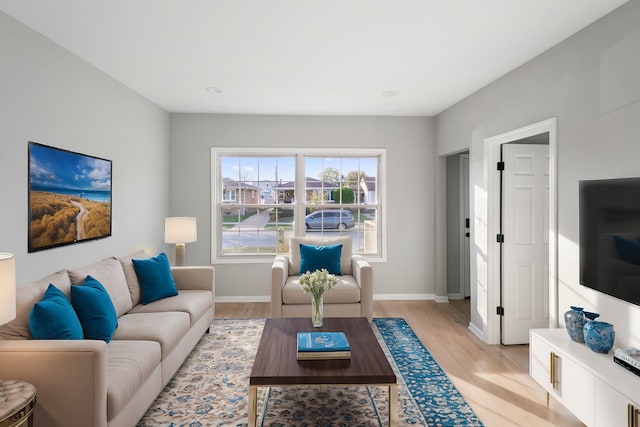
(299, 205)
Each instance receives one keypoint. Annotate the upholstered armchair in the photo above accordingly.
(352, 297)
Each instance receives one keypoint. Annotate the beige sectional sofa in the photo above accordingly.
(84, 383)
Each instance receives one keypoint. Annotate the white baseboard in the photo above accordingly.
(403, 297)
(442, 299)
(376, 297)
(455, 297)
(266, 298)
(476, 331)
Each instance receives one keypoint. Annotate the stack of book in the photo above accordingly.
(323, 345)
(628, 358)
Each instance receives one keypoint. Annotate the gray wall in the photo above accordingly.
(50, 96)
(410, 143)
(590, 83)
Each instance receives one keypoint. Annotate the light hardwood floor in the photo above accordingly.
(493, 379)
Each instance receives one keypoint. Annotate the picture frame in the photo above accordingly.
(69, 197)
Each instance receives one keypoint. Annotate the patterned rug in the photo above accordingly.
(211, 387)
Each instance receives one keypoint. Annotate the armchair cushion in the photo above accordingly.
(314, 258)
(294, 252)
(346, 291)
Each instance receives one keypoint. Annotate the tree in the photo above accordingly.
(343, 195)
(354, 177)
(330, 175)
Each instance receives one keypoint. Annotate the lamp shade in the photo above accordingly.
(180, 229)
(7, 287)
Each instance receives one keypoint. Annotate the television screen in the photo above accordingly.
(610, 237)
(69, 197)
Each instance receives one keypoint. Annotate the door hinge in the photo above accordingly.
(500, 238)
(500, 166)
(500, 311)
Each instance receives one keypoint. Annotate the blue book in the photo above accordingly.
(322, 342)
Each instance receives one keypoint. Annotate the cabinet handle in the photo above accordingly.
(630, 415)
(552, 369)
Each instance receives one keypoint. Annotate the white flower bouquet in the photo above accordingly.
(316, 284)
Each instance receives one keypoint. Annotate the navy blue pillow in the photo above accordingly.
(314, 258)
(94, 308)
(154, 275)
(53, 317)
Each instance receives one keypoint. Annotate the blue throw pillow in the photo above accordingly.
(53, 317)
(94, 308)
(154, 275)
(314, 258)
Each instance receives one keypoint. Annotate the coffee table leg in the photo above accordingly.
(393, 405)
(253, 397)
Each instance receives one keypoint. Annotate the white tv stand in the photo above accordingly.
(591, 385)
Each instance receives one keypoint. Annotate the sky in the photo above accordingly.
(56, 168)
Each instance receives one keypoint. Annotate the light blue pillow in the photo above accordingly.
(53, 317)
(94, 308)
(314, 258)
(154, 275)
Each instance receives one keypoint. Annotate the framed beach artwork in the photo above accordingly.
(69, 197)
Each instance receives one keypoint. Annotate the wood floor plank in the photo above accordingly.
(493, 378)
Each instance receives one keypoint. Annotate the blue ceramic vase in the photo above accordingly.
(599, 336)
(574, 321)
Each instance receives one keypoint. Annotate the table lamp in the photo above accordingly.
(180, 230)
(7, 287)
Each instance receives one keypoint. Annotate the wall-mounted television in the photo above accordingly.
(69, 197)
(610, 237)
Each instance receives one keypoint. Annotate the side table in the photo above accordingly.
(17, 399)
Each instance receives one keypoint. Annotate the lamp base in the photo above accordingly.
(180, 248)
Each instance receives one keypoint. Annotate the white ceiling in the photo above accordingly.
(320, 57)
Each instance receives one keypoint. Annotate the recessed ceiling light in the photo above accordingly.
(390, 93)
(213, 89)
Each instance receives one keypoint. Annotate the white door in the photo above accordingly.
(525, 251)
(465, 240)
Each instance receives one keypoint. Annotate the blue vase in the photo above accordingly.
(599, 336)
(574, 321)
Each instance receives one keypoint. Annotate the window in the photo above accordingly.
(262, 197)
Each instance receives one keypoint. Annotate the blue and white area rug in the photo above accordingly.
(212, 386)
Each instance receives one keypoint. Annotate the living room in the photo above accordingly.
(162, 161)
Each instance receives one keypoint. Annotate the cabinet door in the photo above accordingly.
(577, 388)
(612, 407)
(539, 368)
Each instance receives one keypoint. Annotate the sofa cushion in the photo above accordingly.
(129, 365)
(95, 310)
(53, 317)
(165, 328)
(346, 291)
(132, 278)
(154, 276)
(314, 258)
(294, 252)
(110, 274)
(195, 302)
(26, 297)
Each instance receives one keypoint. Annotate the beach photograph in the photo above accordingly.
(69, 197)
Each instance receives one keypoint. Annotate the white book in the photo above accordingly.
(629, 355)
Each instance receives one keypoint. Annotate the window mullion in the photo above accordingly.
(299, 196)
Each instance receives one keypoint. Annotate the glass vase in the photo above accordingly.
(316, 310)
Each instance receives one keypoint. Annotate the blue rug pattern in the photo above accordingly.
(439, 400)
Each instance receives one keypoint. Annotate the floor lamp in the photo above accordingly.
(180, 230)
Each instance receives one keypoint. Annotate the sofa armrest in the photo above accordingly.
(279, 275)
(190, 278)
(70, 377)
(363, 275)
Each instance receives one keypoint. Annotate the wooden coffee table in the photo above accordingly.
(276, 363)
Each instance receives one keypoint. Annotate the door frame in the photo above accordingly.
(492, 150)
(464, 241)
